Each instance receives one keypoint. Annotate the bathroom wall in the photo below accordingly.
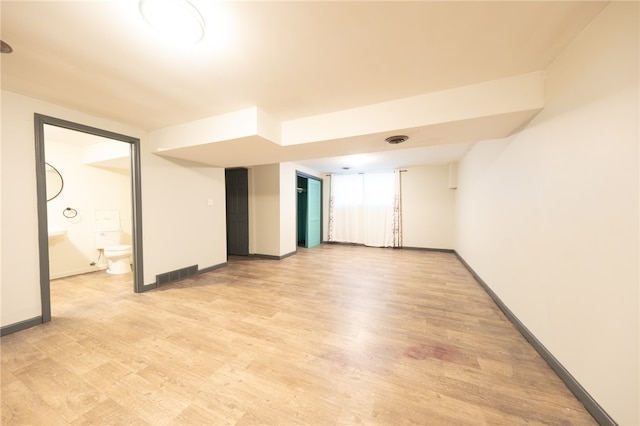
(86, 188)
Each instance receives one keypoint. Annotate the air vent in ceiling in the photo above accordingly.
(4, 47)
(395, 140)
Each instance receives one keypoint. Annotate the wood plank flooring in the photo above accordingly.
(335, 335)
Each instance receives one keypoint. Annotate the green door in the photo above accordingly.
(314, 216)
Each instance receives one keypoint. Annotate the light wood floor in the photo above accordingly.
(333, 335)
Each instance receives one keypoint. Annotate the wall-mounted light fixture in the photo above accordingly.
(178, 20)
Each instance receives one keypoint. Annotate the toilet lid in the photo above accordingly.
(118, 248)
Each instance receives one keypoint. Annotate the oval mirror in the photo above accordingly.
(54, 181)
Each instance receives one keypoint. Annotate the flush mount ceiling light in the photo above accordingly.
(177, 20)
(395, 140)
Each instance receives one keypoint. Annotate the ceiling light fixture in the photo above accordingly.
(177, 20)
(4, 47)
(395, 140)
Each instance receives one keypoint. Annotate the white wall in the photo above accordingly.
(179, 227)
(549, 217)
(427, 207)
(264, 210)
(288, 209)
(514, 93)
(86, 189)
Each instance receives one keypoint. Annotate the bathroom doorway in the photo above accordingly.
(110, 154)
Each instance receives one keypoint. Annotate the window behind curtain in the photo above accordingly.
(362, 209)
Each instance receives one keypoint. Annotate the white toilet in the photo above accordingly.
(108, 239)
(118, 258)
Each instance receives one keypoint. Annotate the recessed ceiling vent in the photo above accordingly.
(395, 140)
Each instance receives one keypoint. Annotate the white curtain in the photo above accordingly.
(397, 210)
(345, 208)
(364, 209)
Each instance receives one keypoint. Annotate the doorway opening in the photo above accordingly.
(70, 213)
(309, 210)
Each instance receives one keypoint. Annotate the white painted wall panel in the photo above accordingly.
(549, 217)
(427, 207)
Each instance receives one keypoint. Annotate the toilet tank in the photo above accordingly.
(107, 238)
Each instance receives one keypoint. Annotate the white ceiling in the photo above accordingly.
(290, 59)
